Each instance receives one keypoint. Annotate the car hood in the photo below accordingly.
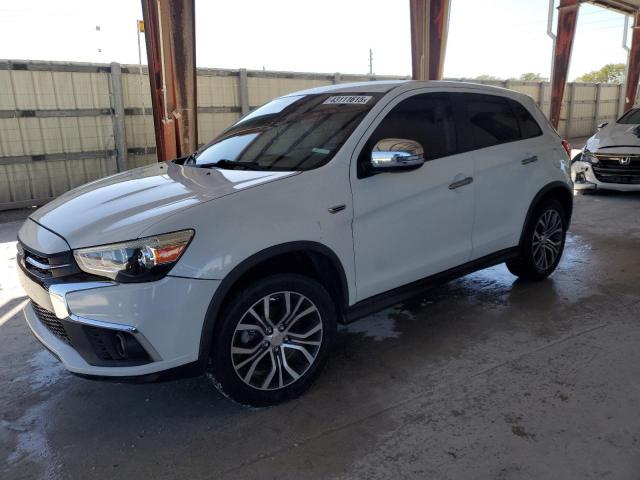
(122, 206)
(615, 135)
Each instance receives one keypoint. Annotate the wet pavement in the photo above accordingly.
(484, 377)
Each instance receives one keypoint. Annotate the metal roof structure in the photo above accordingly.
(624, 6)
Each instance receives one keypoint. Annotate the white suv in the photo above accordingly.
(319, 207)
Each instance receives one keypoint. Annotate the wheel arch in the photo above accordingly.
(307, 257)
(557, 190)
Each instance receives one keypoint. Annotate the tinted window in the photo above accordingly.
(529, 128)
(632, 117)
(291, 133)
(486, 120)
(427, 119)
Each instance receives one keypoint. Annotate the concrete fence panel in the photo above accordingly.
(60, 124)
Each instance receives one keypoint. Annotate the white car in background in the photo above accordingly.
(611, 158)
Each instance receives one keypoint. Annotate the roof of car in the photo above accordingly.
(384, 86)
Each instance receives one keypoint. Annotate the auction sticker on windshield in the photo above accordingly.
(347, 99)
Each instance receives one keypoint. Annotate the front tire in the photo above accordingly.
(543, 243)
(273, 340)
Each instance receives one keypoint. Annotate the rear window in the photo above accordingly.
(529, 128)
(632, 117)
(486, 120)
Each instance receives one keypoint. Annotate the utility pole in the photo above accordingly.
(370, 62)
(139, 30)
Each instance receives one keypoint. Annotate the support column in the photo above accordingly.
(119, 131)
(596, 108)
(567, 17)
(429, 28)
(633, 67)
(171, 53)
(243, 91)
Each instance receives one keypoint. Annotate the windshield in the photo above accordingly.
(632, 117)
(298, 132)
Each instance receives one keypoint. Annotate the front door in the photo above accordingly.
(411, 224)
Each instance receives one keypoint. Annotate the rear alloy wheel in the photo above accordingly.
(547, 240)
(543, 243)
(273, 340)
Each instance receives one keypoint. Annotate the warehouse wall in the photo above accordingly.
(57, 121)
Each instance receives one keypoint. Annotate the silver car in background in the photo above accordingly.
(610, 159)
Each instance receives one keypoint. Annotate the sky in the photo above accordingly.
(503, 38)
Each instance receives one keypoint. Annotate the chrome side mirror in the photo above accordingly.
(396, 154)
(602, 125)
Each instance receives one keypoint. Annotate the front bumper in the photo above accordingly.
(585, 179)
(164, 317)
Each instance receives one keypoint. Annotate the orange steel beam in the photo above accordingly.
(171, 53)
(429, 26)
(633, 70)
(567, 17)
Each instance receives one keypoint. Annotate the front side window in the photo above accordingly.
(426, 119)
(632, 117)
(290, 133)
(487, 120)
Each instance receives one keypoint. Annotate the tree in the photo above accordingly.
(532, 77)
(610, 73)
(486, 77)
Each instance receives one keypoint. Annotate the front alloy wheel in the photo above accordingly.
(272, 339)
(276, 341)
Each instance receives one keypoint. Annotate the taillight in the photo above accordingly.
(567, 147)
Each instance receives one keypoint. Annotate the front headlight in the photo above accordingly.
(588, 157)
(140, 260)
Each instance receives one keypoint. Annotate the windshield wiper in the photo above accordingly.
(190, 159)
(232, 164)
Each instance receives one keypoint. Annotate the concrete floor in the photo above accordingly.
(481, 378)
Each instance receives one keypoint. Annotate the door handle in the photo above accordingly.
(533, 158)
(461, 183)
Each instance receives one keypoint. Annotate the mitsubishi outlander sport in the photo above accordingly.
(320, 207)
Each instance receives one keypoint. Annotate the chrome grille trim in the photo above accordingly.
(44, 266)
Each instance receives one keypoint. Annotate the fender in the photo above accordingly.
(536, 201)
(243, 267)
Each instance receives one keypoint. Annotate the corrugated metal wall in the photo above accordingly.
(57, 123)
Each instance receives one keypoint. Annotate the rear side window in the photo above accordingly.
(425, 118)
(529, 128)
(484, 121)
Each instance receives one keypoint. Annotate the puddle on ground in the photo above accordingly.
(47, 370)
(379, 326)
(31, 445)
(492, 287)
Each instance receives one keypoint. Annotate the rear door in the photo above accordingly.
(491, 129)
(412, 224)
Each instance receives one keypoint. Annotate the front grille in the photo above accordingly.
(613, 160)
(53, 323)
(46, 267)
(618, 168)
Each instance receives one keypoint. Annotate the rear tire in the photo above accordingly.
(543, 243)
(272, 340)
